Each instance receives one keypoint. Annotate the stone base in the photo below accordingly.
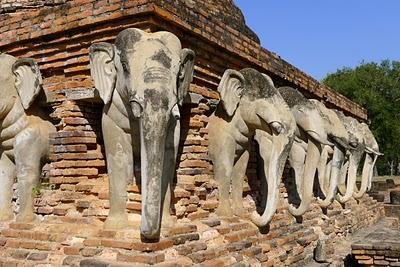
(210, 241)
(378, 245)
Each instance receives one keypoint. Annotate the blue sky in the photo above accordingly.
(320, 36)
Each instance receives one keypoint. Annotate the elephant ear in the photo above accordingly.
(28, 80)
(231, 90)
(269, 80)
(102, 69)
(185, 75)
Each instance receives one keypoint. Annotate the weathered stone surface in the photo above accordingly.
(378, 244)
(149, 258)
(395, 197)
(37, 256)
(93, 263)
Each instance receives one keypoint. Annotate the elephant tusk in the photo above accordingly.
(277, 127)
(175, 112)
(314, 135)
(137, 109)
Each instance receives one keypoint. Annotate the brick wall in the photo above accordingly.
(9, 6)
(58, 38)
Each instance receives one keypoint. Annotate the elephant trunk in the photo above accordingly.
(367, 171)
(354, 161)
(337, 162)
(312, 158)
(152, 139)
(274, 153)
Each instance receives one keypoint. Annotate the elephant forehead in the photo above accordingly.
(168, 39)
(366, 131)
(294, 98)
(127, 38)
(328, 115)
(147, 55)
(162, 58)
(256, 85)
(352, 125)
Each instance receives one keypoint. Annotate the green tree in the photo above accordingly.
(376, 87)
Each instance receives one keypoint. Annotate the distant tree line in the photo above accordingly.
(376, 87)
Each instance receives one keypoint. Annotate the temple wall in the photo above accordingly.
(74, 193)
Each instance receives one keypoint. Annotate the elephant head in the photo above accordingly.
(319, 132)
(341, 139)
(20, 78)
(372, 153)
(250, 106)
(143, 66)
(362, 142)
(354, 154)
(146, 76)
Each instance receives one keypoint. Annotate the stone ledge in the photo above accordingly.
(378, 245)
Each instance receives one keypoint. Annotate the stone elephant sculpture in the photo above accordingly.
(333, 158)
(250, 107)
(141, 79)
(364, 143)
(24, 134)
(319, 136)
(372, 153)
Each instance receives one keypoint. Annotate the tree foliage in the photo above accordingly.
(376, 87)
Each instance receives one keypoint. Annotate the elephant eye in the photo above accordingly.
(125, 66)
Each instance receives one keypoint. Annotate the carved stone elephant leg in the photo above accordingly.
(28, 168)
(223, 166)
(327, 174)
(323, 166)
(118, 145)
(7, 176)
(239, 171)
(343, 176)
(171, 152)
(166, 215)
(331, 184)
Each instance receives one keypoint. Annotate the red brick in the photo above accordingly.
(149, 258)
(68, 148)
(21, 226)
(149, 247)
(113, 243)
(73, 140)
(71, 250)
